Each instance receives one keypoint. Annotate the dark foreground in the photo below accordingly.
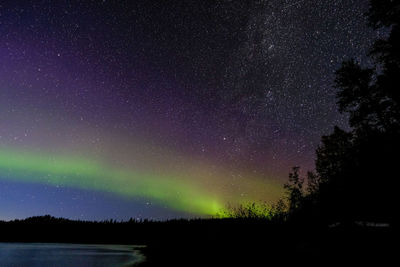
(219, 242)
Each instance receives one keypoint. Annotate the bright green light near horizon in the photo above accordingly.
(86, 174)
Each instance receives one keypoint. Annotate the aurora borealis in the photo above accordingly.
(156, 110)
(169, 189)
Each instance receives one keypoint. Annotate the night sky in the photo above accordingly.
(163, 109)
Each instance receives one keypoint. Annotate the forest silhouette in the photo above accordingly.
(343, 211)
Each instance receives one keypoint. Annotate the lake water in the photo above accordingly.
(77, 255)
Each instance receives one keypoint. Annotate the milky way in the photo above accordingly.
(163, 109)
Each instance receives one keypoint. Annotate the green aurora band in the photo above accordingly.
(91, 175)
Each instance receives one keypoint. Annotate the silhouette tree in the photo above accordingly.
(359, 165)
(294, 190)
(371, 95)
(356, 171)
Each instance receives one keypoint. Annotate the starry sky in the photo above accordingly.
(165, 109)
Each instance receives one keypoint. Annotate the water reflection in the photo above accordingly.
(44, 255)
